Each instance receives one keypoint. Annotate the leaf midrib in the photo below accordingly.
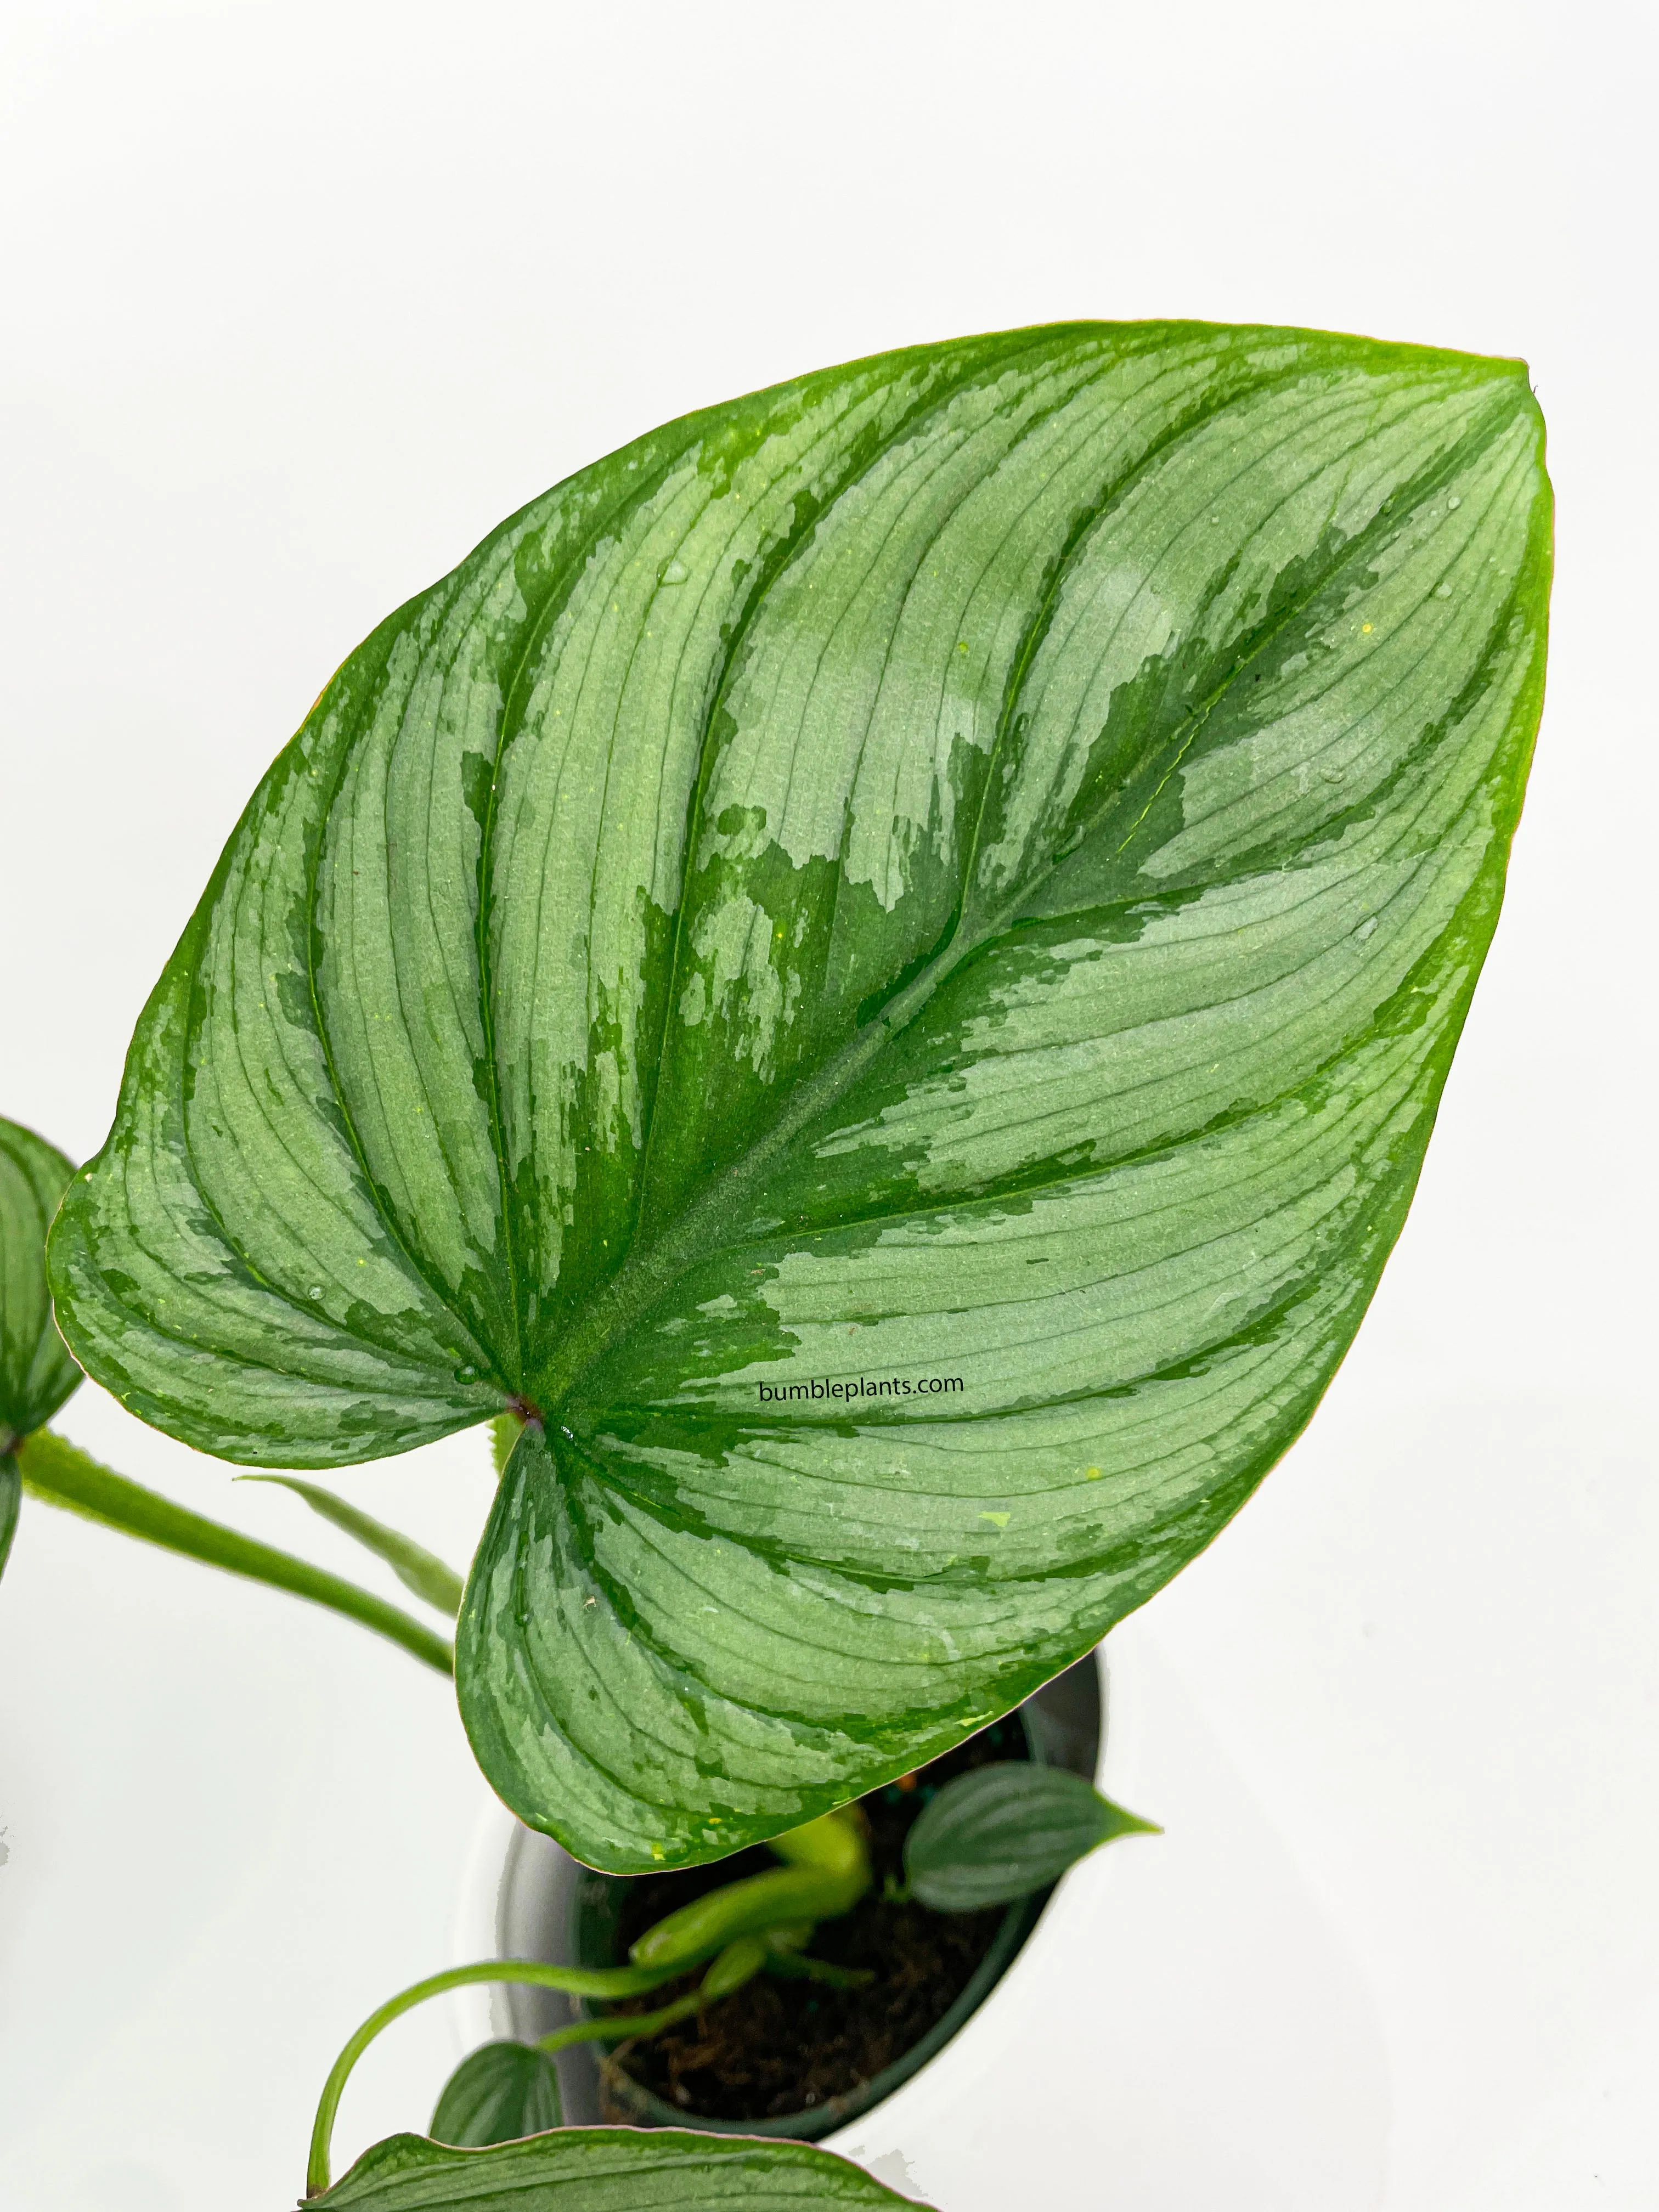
(645, 1276)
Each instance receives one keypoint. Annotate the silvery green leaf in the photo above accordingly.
(497, 2093)
(606, 2170)
(1005, 1830)
(880, 964)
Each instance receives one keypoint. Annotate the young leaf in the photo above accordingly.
(416, 1568)
(1002, 1831)
(497, 2093)
(607, 2170)
(36, 1371)
(886, 958)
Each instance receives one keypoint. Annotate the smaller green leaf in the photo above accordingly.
(11, 1491)
(497, 2095)
(416, 1568)
(36, 1371)
(1005, 1830)
(606, 2170)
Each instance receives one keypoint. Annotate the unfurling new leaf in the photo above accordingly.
(879, 965)
(1005, 1830)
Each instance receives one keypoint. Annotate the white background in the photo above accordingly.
(299, 300)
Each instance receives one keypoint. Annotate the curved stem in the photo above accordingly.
(574, 1981)
(59, 1473)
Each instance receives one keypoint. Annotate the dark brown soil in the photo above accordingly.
(776, 2047)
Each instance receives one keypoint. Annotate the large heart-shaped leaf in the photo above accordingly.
(606, 2170)
(881, 963)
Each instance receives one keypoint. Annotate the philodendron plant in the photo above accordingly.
(992, 1836)
(875, 969)
(1002, 1833)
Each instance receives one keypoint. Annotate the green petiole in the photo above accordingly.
(829, 1874)
(59, 1473)
(416, 1568)
(617, 2027)
(790, 1967)
(742, 1908)
(738, 1963)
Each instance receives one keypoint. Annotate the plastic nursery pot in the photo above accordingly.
(547, 1906)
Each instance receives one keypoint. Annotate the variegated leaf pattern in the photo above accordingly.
(36, 1372)
(608, 2170)
(879, 962)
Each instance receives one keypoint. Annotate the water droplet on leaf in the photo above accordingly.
(672, 572)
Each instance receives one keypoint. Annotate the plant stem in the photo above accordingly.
(574, 1981)
(828, 1872)
(796, 1967)
(620, 2027)
(738, 1963)
(748, 1907)
(57, 1472)
(504, 1432)
(418, 1570)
